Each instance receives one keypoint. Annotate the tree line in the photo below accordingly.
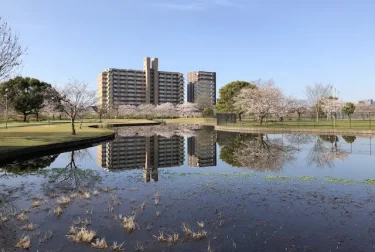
(265, 100)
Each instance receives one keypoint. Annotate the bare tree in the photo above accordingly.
(298, 106)
(315, 94)
(101, 110)
(10, 51)
(74, 98)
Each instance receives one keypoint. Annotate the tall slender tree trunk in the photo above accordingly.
(37, 116)
(73, 127)
(24, 117)
(317, 115)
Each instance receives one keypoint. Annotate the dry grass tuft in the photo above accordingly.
(84, 222)
(161, 237)
(143, 205)
(186, 229)
(96, 192)
(190, 233)
(53, 195)
(116, 247)
(38, 198)
(3, 217)
(58, 211)
(107, 189)
(81, 235)
(139, 247)
(157, 198)
(35, 204)
(199, 235)
(22, 217)
(29, 227)
(209, 249)
(128, 223)
(63, 201)
(173, 238)
(74, 195)
(86, 195)
(200, 224)
(99, 244)
(24, 242)
(72, 230)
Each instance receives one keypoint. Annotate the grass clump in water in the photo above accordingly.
(116, 247)
(128, 223)
(29, 227)
(81, 235)
(99, 244)
(63, 201)
(24, 242)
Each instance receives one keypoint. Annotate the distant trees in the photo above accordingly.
(315, 94)
(26, 95)
(11, 50)
(226, 103)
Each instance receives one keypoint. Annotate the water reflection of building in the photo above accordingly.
(202, 149)
(147, 152)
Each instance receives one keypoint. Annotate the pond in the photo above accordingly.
(170, 188)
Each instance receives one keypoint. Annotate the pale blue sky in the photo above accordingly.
(295, 42)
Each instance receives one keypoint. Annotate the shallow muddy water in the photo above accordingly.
(249, 192)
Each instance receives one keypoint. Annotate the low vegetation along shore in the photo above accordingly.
(36, 135)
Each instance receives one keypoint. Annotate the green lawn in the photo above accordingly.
(310, 124)
(20, 137)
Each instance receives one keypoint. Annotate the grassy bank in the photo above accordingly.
(21, 137)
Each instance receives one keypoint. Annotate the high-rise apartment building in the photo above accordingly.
(135, 87)
(203, 84)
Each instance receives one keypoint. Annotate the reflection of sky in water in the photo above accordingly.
(357, 165)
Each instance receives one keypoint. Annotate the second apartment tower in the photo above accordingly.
(201, 84)
(135, 87)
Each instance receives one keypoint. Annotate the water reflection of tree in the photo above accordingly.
(29, 166)
(72, 178)
(323, 154)
(258, 152)
(350, 140)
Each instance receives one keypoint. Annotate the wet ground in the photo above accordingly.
(253, 193)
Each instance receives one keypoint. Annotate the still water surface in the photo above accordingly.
(253, 192)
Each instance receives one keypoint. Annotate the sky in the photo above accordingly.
(294, 42)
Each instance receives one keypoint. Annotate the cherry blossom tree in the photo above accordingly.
(146, 110)
(261, 101)
(127, 110)
(332, 105)
(166, 110)
(187, 109)
(298, 106)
